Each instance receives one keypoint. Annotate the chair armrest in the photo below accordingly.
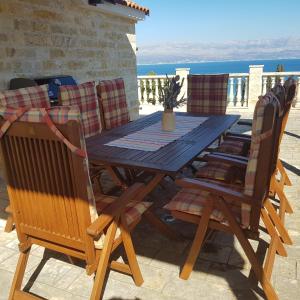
(234, 156)
(215, 189)
(114, 210)
(234, 161)
(239, 138)
(245, 122)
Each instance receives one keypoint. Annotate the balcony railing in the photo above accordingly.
(243, 88)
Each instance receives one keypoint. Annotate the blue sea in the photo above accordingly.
(290, 65)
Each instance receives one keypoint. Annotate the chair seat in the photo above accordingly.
(233, 147)
(132, 213)
(218, 171)
(193, 201)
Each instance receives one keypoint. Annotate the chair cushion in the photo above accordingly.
(113, 103)
(233, 147)
(207, 94)
(35, 96)
(218, 171)
(193, 201)
(132, 213)
(83, 95)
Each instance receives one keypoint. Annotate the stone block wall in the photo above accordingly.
(69, 37)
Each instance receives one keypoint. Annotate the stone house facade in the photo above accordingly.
(70, 37)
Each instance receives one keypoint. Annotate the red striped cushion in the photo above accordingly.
(207, 94)
(83, 95)
(233, 147)
(217, 171)
(113, 103)
(35, 97)
(193, 201)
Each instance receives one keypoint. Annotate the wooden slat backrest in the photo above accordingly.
(47, 183)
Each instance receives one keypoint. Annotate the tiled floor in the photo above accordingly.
(221, 271)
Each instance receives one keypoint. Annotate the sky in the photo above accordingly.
(175, 26)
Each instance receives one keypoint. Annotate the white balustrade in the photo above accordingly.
(238, 87)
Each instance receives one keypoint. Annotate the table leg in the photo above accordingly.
(161, 226)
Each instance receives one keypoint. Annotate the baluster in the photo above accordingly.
(239, 91)
(245, 103)
(264, 88)
(231, 92)
(282, 80)
(156, 90)
(145, 90)
(273, 82)
(139, 90)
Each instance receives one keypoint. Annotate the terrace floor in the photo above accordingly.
(221, 270)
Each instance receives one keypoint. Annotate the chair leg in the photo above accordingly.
(9, 226)
(197, 243)
(281, 169)
(19, 274)
(285, 205)
(272, 232)
(278, 223)
(257, 268)
(130, 253)
(103, 261)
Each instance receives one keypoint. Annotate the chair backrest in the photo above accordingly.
(263, 140)
(47, 175)
(290, 86)
(35, 96)
(207, 94)
(85, 97)
(113, 104)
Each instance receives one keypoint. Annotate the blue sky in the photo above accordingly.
(201, 30)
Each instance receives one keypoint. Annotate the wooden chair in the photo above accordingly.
(114, 113)
(33, 96)
(52, 200)
(112, 102)
(207, 94)
(224, 171)
(236, 209)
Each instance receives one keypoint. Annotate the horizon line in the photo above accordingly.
(212, 61)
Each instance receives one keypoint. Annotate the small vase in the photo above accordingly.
(168, 120)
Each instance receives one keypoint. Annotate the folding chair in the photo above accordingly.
(214, 170)
(52, 199)
(236, 209)
(207, 94)
(33, 96)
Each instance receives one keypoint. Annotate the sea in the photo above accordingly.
(290, 65)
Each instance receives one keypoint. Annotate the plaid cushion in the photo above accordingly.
(113, 103)
(132, 213)
(233, 147)
(257, 135)
(35, 96)
(218, 171)
(207, 94)
(193, 201)
(83, 95)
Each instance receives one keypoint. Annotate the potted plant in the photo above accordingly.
(167, 96)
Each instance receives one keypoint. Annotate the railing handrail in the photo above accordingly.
(171, 75)
(264, 74)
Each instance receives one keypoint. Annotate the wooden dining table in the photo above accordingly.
(168, 160)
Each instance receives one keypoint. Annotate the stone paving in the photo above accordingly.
(221, 270)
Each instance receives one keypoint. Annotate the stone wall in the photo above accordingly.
(48, 37)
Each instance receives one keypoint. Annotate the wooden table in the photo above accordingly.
(168, 160)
